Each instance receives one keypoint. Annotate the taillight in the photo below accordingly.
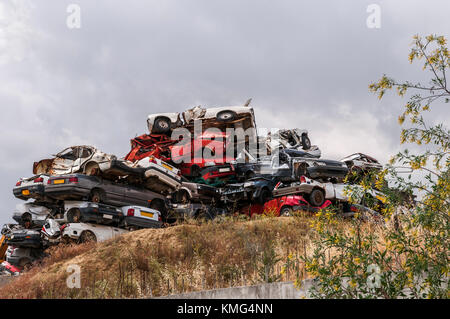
(62, 227)
(38, 180)
(49, 181)
(302, 179)
(130, 212)
(152, 160)
(18, 183)
(73, 180)
(353, 209)
(159, 218)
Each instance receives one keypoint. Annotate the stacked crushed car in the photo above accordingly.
(82, 194)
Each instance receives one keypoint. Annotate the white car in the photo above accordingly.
(165, 122)
(35, 213)
(84, 232)
(75, 159)
(155, 174)
(141, 217)
(289, 138)
(160, 171)
(360, 161)
(51, 231)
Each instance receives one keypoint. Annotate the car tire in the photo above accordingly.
(97, 196)
(306, 142)
(87, 236)
(92, 169)
(317, 197)
(182, 197)
(162, 125)
(160, 207)
(226, 116)
(264, 196)
(286, 211)
(74, 215)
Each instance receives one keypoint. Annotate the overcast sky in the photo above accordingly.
(306, 64)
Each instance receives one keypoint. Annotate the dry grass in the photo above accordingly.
(187, 257)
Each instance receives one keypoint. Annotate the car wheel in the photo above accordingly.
(74, 215)
(306, 142)
(264, 196)
(182, 197)
(87, 236)
(92, 169)
(160, 207)
(317, 197)
(162, 125)
(96, 196)
(286, 211)
(226, 116)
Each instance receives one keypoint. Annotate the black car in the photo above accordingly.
(96, 189)
(24, 238)
(196, 193)
(256, 190)
(87, 212)
(302, 164)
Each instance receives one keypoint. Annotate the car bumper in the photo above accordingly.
(35, 191)
(142, 222)
(25, 243)
(64, 191)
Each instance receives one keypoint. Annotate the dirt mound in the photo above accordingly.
(188, 257)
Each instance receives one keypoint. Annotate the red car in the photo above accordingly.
(146, 145)
(283, 206)
(205, 157)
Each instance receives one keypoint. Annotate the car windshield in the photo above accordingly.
(68, 153)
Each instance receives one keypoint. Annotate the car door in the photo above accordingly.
(137, 196)
(63, 162)
(114, 193)
(82, 154)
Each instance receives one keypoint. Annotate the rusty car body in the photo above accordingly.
(75, 159)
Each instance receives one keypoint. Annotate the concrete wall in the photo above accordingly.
(277, 290)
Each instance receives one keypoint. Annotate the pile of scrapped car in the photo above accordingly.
(82, 194)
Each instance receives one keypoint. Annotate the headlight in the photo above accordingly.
(249, 184)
